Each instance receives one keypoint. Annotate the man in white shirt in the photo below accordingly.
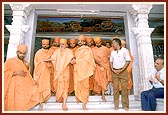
(119, 61)
(148, 97)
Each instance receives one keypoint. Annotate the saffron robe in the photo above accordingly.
(71, 79)
(51, 51)
(20, 93)
(42, 73)
(83, 69)
(103, 70)
(61, 64)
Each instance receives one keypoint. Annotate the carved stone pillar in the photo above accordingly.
(145, 52)
(18, 28)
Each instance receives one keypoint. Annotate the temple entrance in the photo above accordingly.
(103, 24)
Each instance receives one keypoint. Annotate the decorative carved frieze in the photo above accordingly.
(25, 8)
(19, 27)
(14, 29)
(143, 34)
(140, 14)
(20, 13)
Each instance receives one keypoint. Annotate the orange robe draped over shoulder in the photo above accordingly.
(20, 93)
(83, 69)
(61, 72)
(51, 51)
(91, 79)
(71, 79)
(103, 71)
(42, 73)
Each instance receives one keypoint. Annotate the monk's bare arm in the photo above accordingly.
(111, 66)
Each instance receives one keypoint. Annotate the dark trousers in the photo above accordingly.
(148, 98)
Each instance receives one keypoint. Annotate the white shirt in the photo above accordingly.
(119, 58)
(156, 83)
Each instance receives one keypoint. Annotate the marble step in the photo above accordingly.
(95, 104)
(72, 99)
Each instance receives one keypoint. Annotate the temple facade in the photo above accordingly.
(137, 33)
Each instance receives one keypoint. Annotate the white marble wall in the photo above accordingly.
(131, 43)
(30, 37)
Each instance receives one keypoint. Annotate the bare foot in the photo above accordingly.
(115, 108)
(64, 107)
(40, 107)
(103, 98)
(77, 100)
(84, 107)
(45, 101)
